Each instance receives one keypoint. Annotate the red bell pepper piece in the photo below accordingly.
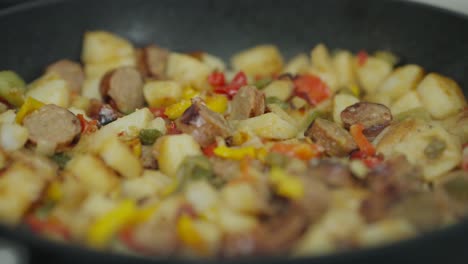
(158, 112)
(361, 140)
(311, 88)
(216, 79)
(48, 226)
(231, 89)
(209, 150)
(362, 57)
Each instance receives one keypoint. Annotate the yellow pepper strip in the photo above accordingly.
(102, 230)
(187, 232)
(143, 214)
(286, 185)
(239, 138)
(355, 90)
(175, 110)
(54, 191)
(234, 153)
(189, 93)
(217, 103)
(29, 106)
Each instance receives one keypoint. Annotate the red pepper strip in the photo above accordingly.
(361, 140)
(302, 151)
(311, 88)
(172, 129)
(87, 127)
(362, 57)
(209, 150)
(369, 161)
(216, 79)
(158, 112)
(48, 226)
(231, 89)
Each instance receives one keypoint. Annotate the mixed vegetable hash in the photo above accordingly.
(159, 153)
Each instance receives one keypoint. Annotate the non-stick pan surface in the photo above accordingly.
(33, 35)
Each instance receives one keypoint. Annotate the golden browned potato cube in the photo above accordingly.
(402, 80)
(262, 60)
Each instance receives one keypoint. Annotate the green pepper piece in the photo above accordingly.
(279, 102)
(195, 168)
(61, 159)
(149, 136)
(262, 83)
(12, 87)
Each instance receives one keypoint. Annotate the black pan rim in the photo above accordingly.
(440, 235)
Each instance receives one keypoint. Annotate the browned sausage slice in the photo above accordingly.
(123, 87)
(70, 71)
(374, 117)
(52, 124)
(152, 61)
(248, 102)
(336, 140)
(203, 124)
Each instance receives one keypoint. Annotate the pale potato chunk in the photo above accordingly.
(298, 64)
(262, 60)
(101, 46)
(131, 123)
(328, 77)
(13, 136)
(202, 196)
(344, 67)
(386, 231)
(373, 73)
(241, 197)
(50, 89)
(150, 184)
(159, 124)
(211, 236)
(280, 89)
(413, 138)
(91, 90)
(19, 188)
(188, 71)
(172, 150)
(441, 96)
(162, 93)
(401, 81)
(406, 102)
(268, 125)
(92, 173)
(231, 221)
(320, 58)
(97, 70)
(340, 102)
(8, 117)
(213, 62)
(119, 157)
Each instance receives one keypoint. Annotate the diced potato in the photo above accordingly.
(268, 125)
(101, 46)
(80, 102)
(159, 124)
(162, 93)
(92, 173)
(328, 77)
(8, 117)
(213, 62)
(297, 65)
(231, 221)
(151, 183)
(119, 157)
(412, 138)
(401, 81)
(280, 89)
(373, 73)
(172, 150)
(386, 231)
(457, 125)
(441, 96)
(202, 196)
(320, 58)
(344, 67)
(97, 70)
(406, 102)
(276, 109)
(188, 71)
(262, 60)
(241, 198)
(91, 89)
(340, 102)
(210, 235)
(13, 136)
(19, 188)
(50, 89)
(137, 120)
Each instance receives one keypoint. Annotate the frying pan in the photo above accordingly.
(35, 34)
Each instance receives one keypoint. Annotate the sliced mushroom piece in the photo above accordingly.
(336, 140)
(374, 117)
(123, 87)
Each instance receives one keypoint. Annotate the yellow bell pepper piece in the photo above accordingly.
(144, 214)
(102, 230)
(54, 191)
(234, 153)
(187, 232)
(355, 90)
(29, 106)
(286, 185)
(176, 110)
(217, 103)
(189, 93)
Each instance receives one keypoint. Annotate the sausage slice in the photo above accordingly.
(374, 117)
(203, 124)
(336, 140)
(52, 124)
(70, 71)
(123, 87)
(248, 102)
(152, 61)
